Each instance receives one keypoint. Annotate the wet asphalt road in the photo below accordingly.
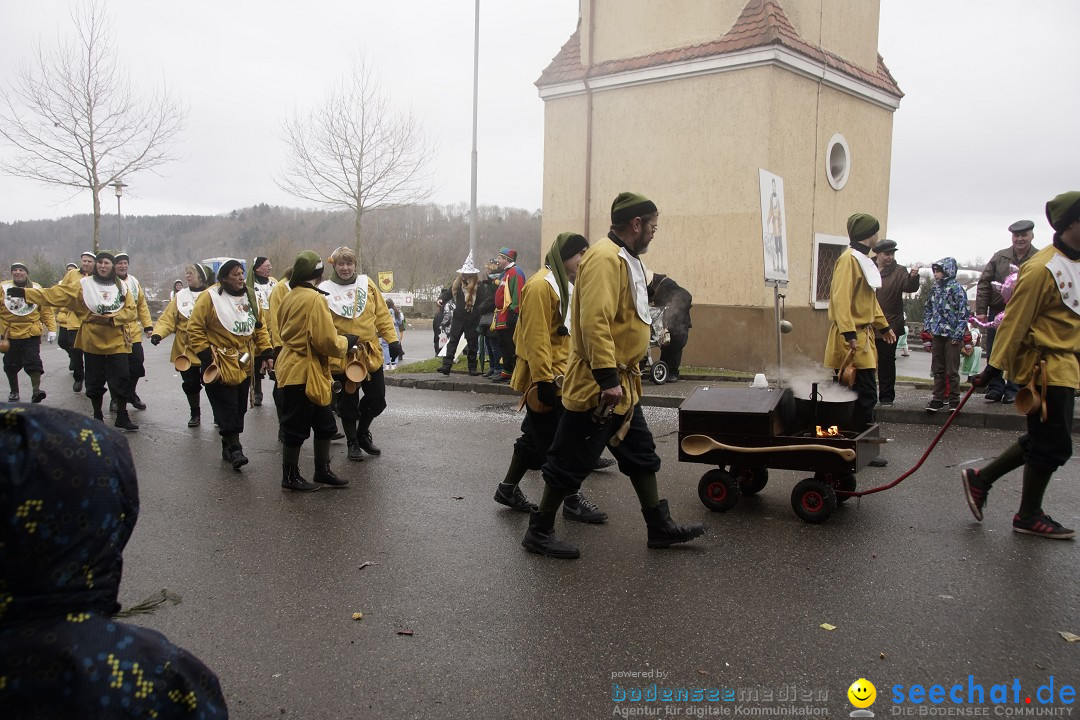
(917, 591)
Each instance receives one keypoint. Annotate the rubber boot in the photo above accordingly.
(95, 403)
(13, 383)
(540, 538)
(663, 532)
(123, 422)
(136, 401)
(257, 396)
(36, 393)
(196, 413)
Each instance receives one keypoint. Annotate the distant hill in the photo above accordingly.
(423, 245)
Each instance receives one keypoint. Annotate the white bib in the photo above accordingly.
(262, 292)
(869, 269)
(17, 305)
(185, 301)
(101, 299)
(1067, 278)
(234, 312)
(638, 287)
(133, 287)
(550, 277)
(347, 301)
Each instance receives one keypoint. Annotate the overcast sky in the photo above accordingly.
(985, 135)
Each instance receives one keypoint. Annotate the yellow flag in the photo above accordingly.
(386, 280)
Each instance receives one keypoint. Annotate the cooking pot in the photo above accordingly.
(814, 410)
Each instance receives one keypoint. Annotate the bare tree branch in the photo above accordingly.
(74, 119)
(355, 153)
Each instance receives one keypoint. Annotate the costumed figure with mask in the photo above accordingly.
(469, 305)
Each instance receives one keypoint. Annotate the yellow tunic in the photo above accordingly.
(206, 331)
(20, 327)
(853, 307)
(64, 317)
(541, 352)
(309, 342)
(142, 310)
(172, 321)
(106, 335)
(607, 332)
(1039, 325)
(374, 322)
(273, 316)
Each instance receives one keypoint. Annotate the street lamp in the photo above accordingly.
(119, 187)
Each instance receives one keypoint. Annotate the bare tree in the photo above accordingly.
(75, 120)
(355, 152)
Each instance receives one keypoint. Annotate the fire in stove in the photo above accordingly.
(833, 431)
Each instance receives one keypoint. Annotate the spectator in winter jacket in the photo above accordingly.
(945, 319)
(507, 299)
(676, 301)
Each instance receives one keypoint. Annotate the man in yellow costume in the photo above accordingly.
(69, 322)
(21, 324)
(1039, 338)
(609, 336)
(142, 325)
(856, 316)
(105, 308)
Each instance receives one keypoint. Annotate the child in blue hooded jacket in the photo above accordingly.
(945, 318)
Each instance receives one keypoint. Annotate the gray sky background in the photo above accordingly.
(985, 135)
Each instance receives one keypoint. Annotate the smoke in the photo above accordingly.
(800, 373)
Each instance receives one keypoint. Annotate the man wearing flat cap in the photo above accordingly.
(21, 324)
(609, 335)
(1039, 338)
(988, 299)
(895, 281)
(507, 304)
(856, 317)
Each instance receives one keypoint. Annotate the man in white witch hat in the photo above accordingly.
(469, 305)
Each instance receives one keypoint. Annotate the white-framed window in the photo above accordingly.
(827, 249)
(837, 161)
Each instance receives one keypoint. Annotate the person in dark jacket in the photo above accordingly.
(988, 300)
(666, 293)
(469, 305)
(69, 500)
(895, 281)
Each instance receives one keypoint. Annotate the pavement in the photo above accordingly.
(770, 615)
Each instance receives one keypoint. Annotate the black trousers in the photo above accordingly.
(537, 435)
(66, 340)
(862, 416)
(1048, 445)
(25, 354)
(136, 362)
(671, 353)
(579, 442)
(365, 408)
(229, 403)
(191, 380)
(300, 417)
(507, 350)
(886, 366)
(466, 327)
(107, 369)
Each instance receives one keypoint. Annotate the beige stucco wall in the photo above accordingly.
(848, 28)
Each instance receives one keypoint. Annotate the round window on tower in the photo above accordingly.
(837, 161)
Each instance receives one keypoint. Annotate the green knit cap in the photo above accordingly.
(861, 226)
(205, 273)
(307, 266)
(1063, 210)
(628, 206)
(566, 246)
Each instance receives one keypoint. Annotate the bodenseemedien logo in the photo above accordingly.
(862, 695)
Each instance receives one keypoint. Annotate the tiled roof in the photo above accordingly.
(761, 24)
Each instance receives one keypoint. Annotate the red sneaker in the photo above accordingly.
(975, 490)
(1042, 525)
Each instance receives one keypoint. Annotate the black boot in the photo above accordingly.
(363, 439)
(257, 397)
(472, 368)
(355, 453)
(325, 476)
(445, 367)
(663, 532)
(123, 421)
(540, 538)
(238, 460)
(112, 404)
(13, 383)
(291, 479)
(95, 402)
(512, 497)
(196, 413)
(136, 401)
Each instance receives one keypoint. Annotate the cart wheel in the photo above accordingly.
(813, 500)
(718, 491)
(844, 482)
(659, 372)
(751, 480)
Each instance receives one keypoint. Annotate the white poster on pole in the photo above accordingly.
(773, 225)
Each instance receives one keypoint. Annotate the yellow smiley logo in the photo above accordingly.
(862, 693)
